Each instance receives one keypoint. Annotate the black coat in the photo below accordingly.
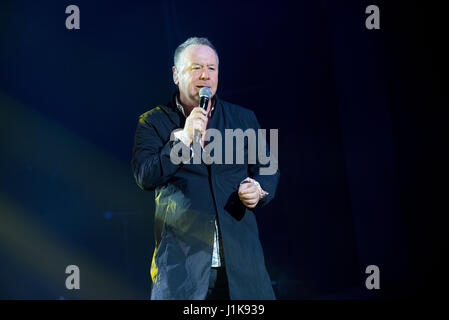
(188, 198)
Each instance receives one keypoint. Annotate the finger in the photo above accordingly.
(250, 199)
(253, 195)
(249, 205)
(252, 188)
(200, 130)
(245, 186)
(197, 123)
(246, 189)
(199, 110)
(250, 202)
(200, 126)
(248, 194)
(249, 189)
(200, 117)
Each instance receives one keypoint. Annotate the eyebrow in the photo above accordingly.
(199, 64)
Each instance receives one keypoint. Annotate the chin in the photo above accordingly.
(195, 98)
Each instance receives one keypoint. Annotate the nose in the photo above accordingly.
(204, 74)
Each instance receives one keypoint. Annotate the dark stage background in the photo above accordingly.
(360, 122)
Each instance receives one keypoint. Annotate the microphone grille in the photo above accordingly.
(205, 92)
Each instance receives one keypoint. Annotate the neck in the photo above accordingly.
(188, 107)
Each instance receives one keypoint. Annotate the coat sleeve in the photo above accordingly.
(150, 162)
(268, 182)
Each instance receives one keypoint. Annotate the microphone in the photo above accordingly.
(205, 94)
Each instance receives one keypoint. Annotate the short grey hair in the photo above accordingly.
(189, 42)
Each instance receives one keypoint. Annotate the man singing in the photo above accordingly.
(207, 242)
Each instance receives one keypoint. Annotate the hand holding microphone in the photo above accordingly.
(195, 125)
(205, 94)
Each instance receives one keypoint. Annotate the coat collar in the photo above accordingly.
(178, 117)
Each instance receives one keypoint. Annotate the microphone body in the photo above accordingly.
(205, 94)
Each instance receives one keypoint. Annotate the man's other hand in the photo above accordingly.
(249, 194)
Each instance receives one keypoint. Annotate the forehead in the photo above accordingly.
(198, 53)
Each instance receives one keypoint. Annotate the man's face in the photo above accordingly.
(198, 67)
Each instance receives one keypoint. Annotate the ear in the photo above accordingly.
(175, 75)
